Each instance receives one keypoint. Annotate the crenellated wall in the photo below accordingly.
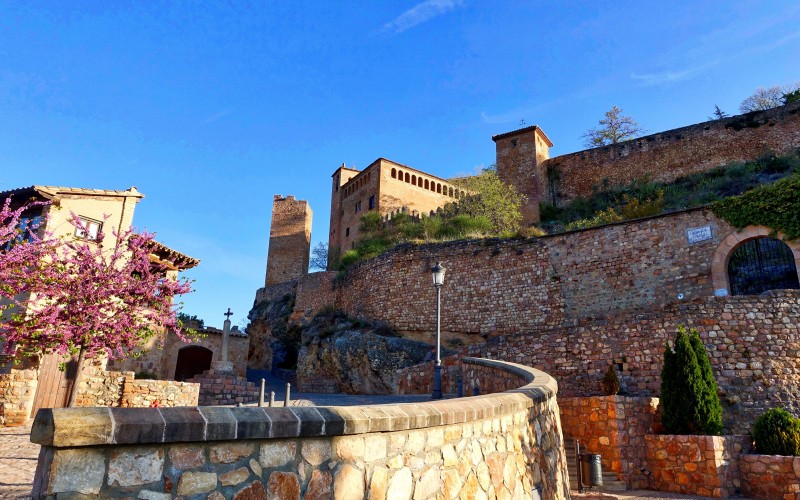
(500, 445)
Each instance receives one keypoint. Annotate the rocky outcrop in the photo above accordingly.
(268, 323)
(350, 357)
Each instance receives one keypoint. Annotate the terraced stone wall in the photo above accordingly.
(500, 445)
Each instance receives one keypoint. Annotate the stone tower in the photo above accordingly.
(519, 158)
(289, 240)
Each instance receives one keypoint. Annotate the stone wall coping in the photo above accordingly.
(76, 427)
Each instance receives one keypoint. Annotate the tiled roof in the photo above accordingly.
(53, 191)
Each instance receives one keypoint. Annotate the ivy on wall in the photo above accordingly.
(776, 206)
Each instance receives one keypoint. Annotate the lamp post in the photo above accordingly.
(438, 280)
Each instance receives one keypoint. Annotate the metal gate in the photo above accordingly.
(762, 264)
(55, 386)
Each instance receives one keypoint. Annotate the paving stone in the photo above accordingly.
(184, 424)
(220, 423)
(138, 425)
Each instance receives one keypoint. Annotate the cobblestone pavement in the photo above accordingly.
(17, 462)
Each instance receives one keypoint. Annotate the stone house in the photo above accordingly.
(39, 383)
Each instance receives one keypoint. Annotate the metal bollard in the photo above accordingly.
(288, 398)
(261, 394)
(271, 399)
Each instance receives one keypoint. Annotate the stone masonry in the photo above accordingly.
(289, 240)
(505, 445)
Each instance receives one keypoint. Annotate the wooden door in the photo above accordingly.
(55, 386)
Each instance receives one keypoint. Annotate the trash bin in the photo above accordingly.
(591, 469)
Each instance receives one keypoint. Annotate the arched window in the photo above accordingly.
(408, 177)
(414, 179)
(438, 188)
(419, 181)
(394, 173)
(450, 193)
(762, 264)
(426, 183)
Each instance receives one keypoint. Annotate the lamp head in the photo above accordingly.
(438, 274)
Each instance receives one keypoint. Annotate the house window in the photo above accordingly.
(347, 231)
(372, 202)
(92, 229)
(513, 143)
(358, 206)
(25, 229)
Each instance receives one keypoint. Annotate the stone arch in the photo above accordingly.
(394, 173)
(450, 192)
(192, 360)
(408, 177)
(438, 188)
(414, 180)
(426, 183)
(722, 255)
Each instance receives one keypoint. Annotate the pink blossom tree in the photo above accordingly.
(88, 296)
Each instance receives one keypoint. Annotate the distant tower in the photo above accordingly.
(519, 158)
(289, 240)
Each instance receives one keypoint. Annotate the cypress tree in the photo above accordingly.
(688, 389)
(708, 414)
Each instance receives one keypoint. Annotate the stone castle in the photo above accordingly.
(646, 276)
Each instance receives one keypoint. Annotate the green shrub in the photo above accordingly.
(777, 432)
(774, 205)
(145, 375)
(610, 381)
(689, 399)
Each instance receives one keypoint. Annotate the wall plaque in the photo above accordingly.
(698, 234)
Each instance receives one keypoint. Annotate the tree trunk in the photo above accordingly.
(73, 394)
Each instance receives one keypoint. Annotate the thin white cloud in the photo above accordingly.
(420, 13)
(663, 77)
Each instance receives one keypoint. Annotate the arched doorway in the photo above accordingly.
(192, 360)
(762, 264)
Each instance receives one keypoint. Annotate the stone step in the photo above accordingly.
(610, 479)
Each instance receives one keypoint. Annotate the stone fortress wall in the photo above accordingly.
(576, 302)
(668, 155)
(500, 445)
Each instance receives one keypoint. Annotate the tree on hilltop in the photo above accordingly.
(85, 296)
(718, 114)
(319, 257)
(614, 128)
(491, 199)
(771, 97)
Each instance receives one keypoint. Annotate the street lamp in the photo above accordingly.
(438, 280)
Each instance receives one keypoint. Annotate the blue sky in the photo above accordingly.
(212, 108)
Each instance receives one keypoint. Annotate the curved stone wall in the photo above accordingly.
(506, 444)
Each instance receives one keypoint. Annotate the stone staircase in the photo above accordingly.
(610, 480)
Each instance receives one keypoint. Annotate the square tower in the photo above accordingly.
(519, 158)
(289, 240)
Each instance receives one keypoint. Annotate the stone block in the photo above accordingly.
(135, 467)
(311, 421)
(220, 423)
(234, 477)
(284, 423)
(186, 456)
(316, 451)
(348, 483)
(183, 424)
(228, 453)
(319, 486)
(283, 485)
(251, 423)
(254, 491)
(77, 470)
(193, 483)
(277, 453)
(138, 425)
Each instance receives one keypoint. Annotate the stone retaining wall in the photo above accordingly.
(696, 465)
(770, 476)
(500, 445)
(615, 427)
(224, 389)
(121, 389)
(17, 390)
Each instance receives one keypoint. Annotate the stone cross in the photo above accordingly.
(226, 330)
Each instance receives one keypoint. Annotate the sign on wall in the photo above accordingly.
(698, 234)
